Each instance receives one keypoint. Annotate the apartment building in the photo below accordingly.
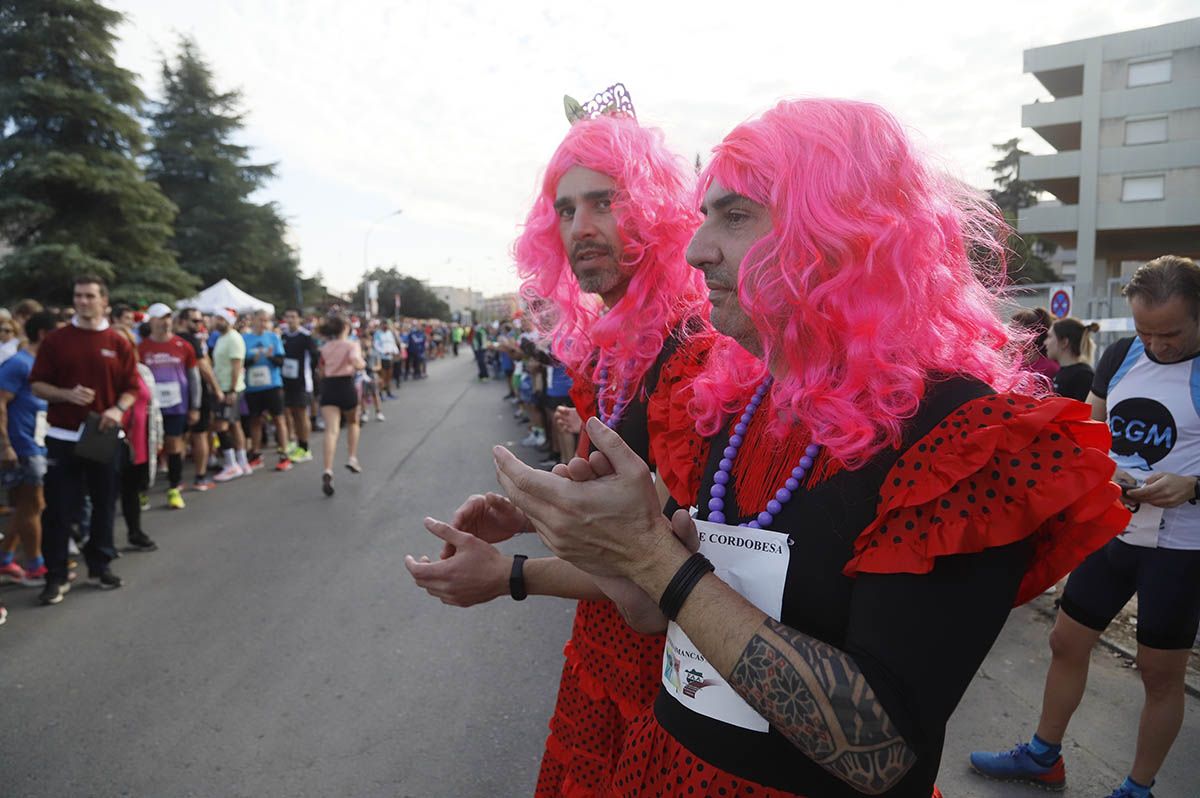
(1125, 120)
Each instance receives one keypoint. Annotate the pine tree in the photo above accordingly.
(73, 197)
(220, 232)
(1027, 255)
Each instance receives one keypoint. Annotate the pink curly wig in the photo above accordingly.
(656, 217)
(873, 280)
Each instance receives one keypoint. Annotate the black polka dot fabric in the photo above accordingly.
(999, 469)
(612, 673)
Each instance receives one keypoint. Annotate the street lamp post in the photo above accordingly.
(366, 262)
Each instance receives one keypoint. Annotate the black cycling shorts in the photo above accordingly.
(266, 401)
(1167, 583)
(339, 392)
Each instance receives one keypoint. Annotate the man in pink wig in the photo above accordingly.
(603, 261)
(872, 511)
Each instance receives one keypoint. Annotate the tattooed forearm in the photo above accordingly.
(816, 696)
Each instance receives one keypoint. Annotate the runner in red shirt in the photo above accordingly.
(82, 369)
(177, 383)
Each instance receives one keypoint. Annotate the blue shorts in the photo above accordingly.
(30, 471)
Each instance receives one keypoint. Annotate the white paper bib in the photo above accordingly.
(258, 376)
(169, 394)
(291, 368)
(754, 563)
(40, 428)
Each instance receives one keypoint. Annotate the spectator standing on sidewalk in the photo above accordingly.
(1146, 388)
(86, 367)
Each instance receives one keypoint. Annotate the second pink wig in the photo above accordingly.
(870, 283)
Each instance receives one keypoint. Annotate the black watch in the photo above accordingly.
(516, 580)
(1196, 491)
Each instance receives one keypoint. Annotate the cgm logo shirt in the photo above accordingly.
(1154, 415)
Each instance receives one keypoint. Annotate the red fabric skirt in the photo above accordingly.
(611, 675)
(654, 765)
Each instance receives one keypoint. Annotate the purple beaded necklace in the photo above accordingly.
(613, 419)
(716, 494)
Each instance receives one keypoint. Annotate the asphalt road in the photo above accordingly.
(275, 646)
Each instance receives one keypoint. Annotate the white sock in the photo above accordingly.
(230, 458)
(241, 459)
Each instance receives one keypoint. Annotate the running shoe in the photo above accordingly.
(105, 580)
(35, 577)
(203, 484)
(255, 461)
(300, 455)
(53, 593)
(175, 499)
(534, 440)
(11, 574)
(144, 501)
(229, 473)
(362, 418)
(140, 541)
(327, 483)
(3, 615)
(284, 464)
(353, 465)
(1018, 764)
(380, 417)
(318, 424)
(1126, 792)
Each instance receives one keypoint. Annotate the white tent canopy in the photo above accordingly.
(222, 295)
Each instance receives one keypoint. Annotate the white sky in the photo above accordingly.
(449, 110)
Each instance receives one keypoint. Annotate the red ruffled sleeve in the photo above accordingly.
(678, 451)
(999, 469)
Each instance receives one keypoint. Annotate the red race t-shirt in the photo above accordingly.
(169, 361)
(102, 360)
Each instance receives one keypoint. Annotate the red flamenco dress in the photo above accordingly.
(612, 672)
(909, 564)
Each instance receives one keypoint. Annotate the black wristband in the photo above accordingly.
(516, 580)
(682, 584)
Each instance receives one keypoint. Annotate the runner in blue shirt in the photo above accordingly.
(23, 457)
(264, 387)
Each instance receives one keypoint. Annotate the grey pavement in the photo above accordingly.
(275, 646)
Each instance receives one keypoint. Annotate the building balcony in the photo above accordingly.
(1048, 217)
(1062, 82)
(1066, 111)
(1146, 157)
(1173, 212)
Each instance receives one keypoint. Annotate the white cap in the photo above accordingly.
(229, 314)
(158, 310)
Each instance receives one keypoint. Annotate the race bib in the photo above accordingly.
(258, 377)
(291, 368)
(40, 428)
(754, 563)
(169, 394)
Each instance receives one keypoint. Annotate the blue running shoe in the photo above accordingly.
(1124, 791)
(1019, 765)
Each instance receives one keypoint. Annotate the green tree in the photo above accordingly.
(73, 197)
(416, 300)
(220, 232)
(1028, 254)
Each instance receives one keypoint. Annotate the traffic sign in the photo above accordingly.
(1060, 301)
